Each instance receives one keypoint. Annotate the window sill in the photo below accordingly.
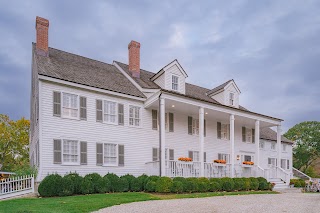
(70, 118)
(138, 127)
(109, 165)
(70, 164)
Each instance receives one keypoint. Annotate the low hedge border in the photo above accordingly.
(72, 184)
(297, 182)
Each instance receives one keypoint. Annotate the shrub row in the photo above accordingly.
(71, 184)
(297, 182)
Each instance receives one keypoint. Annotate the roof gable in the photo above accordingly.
(168, 66)
(222, 87)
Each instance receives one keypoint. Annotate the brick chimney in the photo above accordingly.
(42, 27)
(134, 58)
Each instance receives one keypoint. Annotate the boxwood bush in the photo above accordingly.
(50, 186)
(70, 184)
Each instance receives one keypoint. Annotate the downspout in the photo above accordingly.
(159, 119)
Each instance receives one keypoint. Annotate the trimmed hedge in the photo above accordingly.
(297, 182)
(71, 184)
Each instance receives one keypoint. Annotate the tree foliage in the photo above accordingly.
(14, 141)
(307, 143)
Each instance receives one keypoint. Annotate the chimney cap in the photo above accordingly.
(133, 43)
(42, 21)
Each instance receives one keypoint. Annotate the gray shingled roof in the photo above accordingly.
(218, 88)
(269, 134)
(78, 69)
(85, 71)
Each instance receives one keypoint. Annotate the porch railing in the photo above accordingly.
(182, 169)
(260, 172)
(16, 186)
(283, 175)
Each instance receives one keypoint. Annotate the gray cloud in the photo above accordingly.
(270, 48)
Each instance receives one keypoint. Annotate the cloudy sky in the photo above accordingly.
(270, 48)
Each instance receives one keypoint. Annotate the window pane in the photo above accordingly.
(70, 151)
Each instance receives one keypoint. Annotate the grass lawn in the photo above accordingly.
(88, 203)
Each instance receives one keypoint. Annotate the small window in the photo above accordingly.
(109, 112)
(273, 145)
(231, 99)
(110, 154)
(70, 151)
(222, 156)
(261, 144)
(284, 147)
(283, 163)
(196, 157)
(247, 158)
(225, 131)
(175, 83)
(288, 164)
(155, 154)
(70, 105)
(134, 116)
(195, 126)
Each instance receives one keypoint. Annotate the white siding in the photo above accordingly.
(160, 81)
(223, 97)
(137, 141)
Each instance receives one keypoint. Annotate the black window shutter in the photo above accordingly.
(83, 153)
(205, 128)
(219, 130)
(155, 154)
(121, 155)
(57, 104)
(204, 157)
(243, 134)
(190, 154)
(189, 125)
(154, 119)
(83, 108)
(120, 114)
(253, 136)
(99, 110)
(99, 154)
(171, 154)
(171, 122)
(57, 151)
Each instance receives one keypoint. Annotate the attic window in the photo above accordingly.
(175, 82)
(231, 99)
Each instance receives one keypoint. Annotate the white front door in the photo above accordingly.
(272, 164)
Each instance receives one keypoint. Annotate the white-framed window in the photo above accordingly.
(231, 99)
(155, 154)
(248, 135)
(272, 162)
(284, 147)
(283, 163)
(261, 144)
(195, 126)
(223, 156)
(70, 152)
(110, 112)
(70, 105)
(134, 116)
(248, 158)
(273, 145)
(110, 154)
(225, 131)
(196, 156)
(175, 82)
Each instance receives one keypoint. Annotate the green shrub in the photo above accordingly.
(142, 179)
(183, 181)
(123, 185)
(246, 184)
(77, 180)
(263, 183)
(87, 186)
(136, 185)
(227, 184)
(177, 187)
(107, 184)
(215, 186)
(254, 183)
(164, 185)
(50, 186)
(238, 184)
(191, 185)
(151, 186)
(67, 187)
(302, 183)
(297, 184)
(203, 184)
(99, 183)
(130, 179)
(114, 181)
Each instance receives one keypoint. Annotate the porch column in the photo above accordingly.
(257, 141)
(162, 137)
(232, 144)
(201, 140)
(279, 145)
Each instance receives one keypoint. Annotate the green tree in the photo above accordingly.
(306, 150)
(14, 141)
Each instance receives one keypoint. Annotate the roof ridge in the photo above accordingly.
(77, 55)
(128, 65)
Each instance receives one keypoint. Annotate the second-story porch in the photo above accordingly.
(238, 129)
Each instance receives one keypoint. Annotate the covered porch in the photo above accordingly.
(235, 149)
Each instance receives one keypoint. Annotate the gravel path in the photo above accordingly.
(285, 202)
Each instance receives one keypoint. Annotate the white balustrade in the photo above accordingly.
(15, 186)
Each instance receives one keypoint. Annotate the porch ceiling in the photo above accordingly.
(192, 110)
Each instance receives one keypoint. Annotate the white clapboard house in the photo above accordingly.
(90, 116)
